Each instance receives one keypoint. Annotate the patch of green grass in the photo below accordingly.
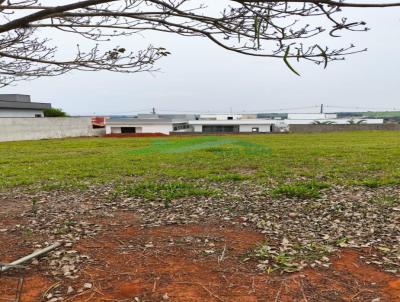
(27, 233)
(292, 259)
(371, 183)
(166, 191)
(227, 177)
(343, 242)
(313, 251)
(302, 190)
(351, 158)
(387, 200)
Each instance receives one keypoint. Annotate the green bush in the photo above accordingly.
(54, 112)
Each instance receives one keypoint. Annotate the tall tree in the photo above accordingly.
(265, 28)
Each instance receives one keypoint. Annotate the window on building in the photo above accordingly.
(38, 115)
(255, 129)
(220, 129)
(180, 126)
(230, 117)
(128, 130)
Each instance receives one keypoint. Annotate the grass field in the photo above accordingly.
(291, 164)
(224, 217)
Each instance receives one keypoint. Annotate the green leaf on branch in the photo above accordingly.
(285, 59)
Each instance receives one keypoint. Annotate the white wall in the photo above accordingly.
(20, 112)
(261, 128)
(166, 129)
(112, 130)
(159, 128)
(16, 129)
(197, 128)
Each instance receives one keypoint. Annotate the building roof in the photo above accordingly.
(167, 116)
(20, 101)
(232, 122)
(143, 121)
(307, 116)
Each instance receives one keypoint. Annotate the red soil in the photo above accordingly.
(175, 263)
(122, 135)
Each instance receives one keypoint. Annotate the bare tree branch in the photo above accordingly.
(264, 28)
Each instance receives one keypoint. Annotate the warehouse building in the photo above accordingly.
(232, 126)
(19, 105)
(147, 124)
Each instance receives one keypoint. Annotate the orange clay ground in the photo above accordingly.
(171, 263)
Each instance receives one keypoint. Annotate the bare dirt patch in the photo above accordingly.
(198, 263)
(196, 250)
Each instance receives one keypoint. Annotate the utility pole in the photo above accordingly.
(322, 108)
(153, 110)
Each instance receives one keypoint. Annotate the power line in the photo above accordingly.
(269, 110)
(365, 108)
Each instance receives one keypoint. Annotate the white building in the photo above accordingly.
(325, 118)
(225, 117)
(232, 126)
(311, 116)
(19, 105)
(145, 125)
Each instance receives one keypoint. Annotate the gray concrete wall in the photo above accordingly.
(16, 129)
(333, 128)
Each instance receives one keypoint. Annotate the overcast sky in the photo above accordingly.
(200, 77)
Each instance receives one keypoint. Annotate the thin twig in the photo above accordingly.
(19, 290)
(205, 288)
(253, 289)
(77, 295)
(55, 285)
(279, 292)
(155, 284)
(302, 290)
(221, 258)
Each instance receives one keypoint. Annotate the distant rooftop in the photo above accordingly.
(232, 122)
(167, 116)
(143, 121)
(20, 101)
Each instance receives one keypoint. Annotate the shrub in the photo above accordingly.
(54, 112)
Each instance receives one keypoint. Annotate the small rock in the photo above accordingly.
(35, 262)
(87, 285)
(66, 269)
(165, 297)
(70, 290)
